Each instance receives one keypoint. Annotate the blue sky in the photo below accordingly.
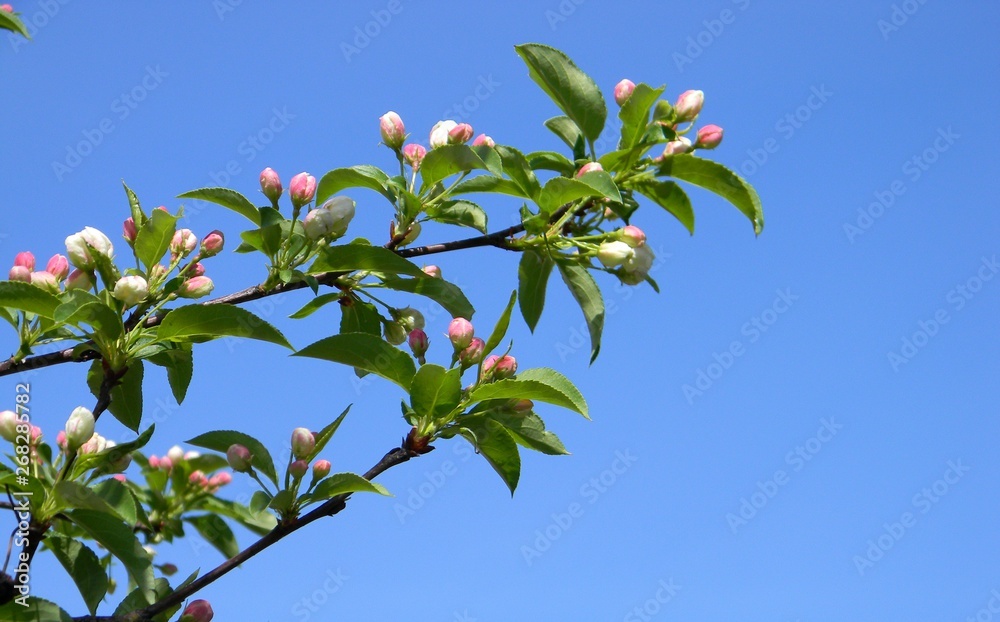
(856, 430)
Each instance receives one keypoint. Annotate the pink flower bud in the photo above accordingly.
(8, 425)
(58, 267)
(674, 147)
(414, 154)
(473, 354)
(302, 189)
(298, 468)
(709, 137)
(632, 235)
(623, 90)
(239, 458)
(418, 342)
(392, 129)
(175, 453)
(688, 106)
(44, 280)
(60, 438)
(220, 479)
(197, 269)
(197, 611)
(20, 274)
(589, 167)
(36, 434)
(183, 243)
(197, 478)
(440, 133)
(483, 139)
(80, 279)
(461, 332)
(129, 230)
(460, 134)
(6, 7)
(119, 476)
(154, 462)
(614, 254)
(303, 442)
(25, 259)
(321, 468)
(166, 463)
(270, 184)
(213, 243)
(196, 287)
(432, 271)
(500, 367)
(131, 290)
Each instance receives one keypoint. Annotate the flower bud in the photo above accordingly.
(303, 442)
(25, 259)
(129, 230)
(212, 244)
(460, 134)
(688, 106)
(79, 279)
(460, 332)
(589, 167)
(634, 270)
(191, 454)
(473, 353)
(500, 367)
(632, 235)
(154, 462)
(432, 271)
(674, 147)
(418, 343)
(20, 274)
(220, 479)
(394, 333)
(197, 478)
(409, 318)
(44, 280)
(414, 154)
(239, 458)
(79, 427)
(483, 139)
(709, 137)
(196, 287)
(58, 267)
(79, 245)
(175, 453)
(298, 468)
(197, 269)
(131, 290)
(614, 254)
(302, 189)
(339, 214)
(270, 184)
(166, 463)
(8, 425)
(95, 445)
(36, 434)
(197, 611)
(183, 243)
(120, 477)
(392, 129)
(441, 132)
(411, 234)
(623, 90)
(321, 468)
(522, 406)
(6, 7)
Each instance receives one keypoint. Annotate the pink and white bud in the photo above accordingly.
(409, 318)
(239, 458)
(674, 147)
(303, 442)
(79, 427)
(175, 453)
(632, 235)
(614, 254)
(392, 129)
(166, 463)
(589, 167)
(20, 274)
(80, 279)
(58, 267)
(61, 439)
(198, 478)
(689, 105)
(460, 333)
(44, 280)
(460, 134)
(197, 611)
(623, 90)
(418, 343)
(302, 189)
(191, 454)
(709, 137)
(197, 269)
(321, 468)
(154, 462)
(432, 271)
(395, 333)
(634, 270)
(131, 290)
(220, 479)
(298, 469)
(500, 367)
(473, 353)
(441, 132)
(213, 243)
(483, 139)
(6, 7)
(79, 245)
(414, 154)
(339, 214)
(25, 259)
(120, 477)
(270, 184)
(36, 434)
(196, 287)
(129, 230)
(183, 243)
(8, 425)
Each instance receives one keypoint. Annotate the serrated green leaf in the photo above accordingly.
(118, 539)
(351, 257)
(634, 114)
(462, 213)
(135, 209)
(179, 363)
(551, 161)
(25, 297)
(316, 304)
(435, 391)
(37, 610)
(532, 280)
(11, 21)
(221, 440)
(118, 498)
(446, 294)
(216, 532)
(363, 176)
(559, 191)
(323, 436)
(360, 317)
(152, 239)
(528, 430)
(492, 441)
(670, 197)
(566, 129)
(204, 322)
(136, 599)
(343, 484)
(80, 307)
(588, 295)
(487, 183)
(568, 86)
(126, 396)
(541, 384)
(516, 166)
(500, 329)
(230, 199)
(365, 352)
(718, 179)
(83, 567)
(443, 162)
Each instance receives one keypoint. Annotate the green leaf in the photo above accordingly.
(118, 539)
(117, 496)
(136, 599)
(216, 532)
(323, 436)
(529, 431)
(7, 316)
(109, 456)
(138, 216)
(25, 297)
(541, 384)
(516, 166)
(551, 161)
(446, 294)
(179, 363)
(152, 239)
(720, 180)
(436, 391)
(566, 129)
(462, 213)
(10, 21)
(671, 197)
(366, 352)
(588, 295)
(445, 161)
(126, 396)
(315, 305)
(494, 443)
(634, 114)
(83, 567)
(360, 317)
(37, 610)
(351, 257)
(220, 440)
(363, 176)
(80, 308)
(532, 279)
(343, 484)
(250, 518)
(66, 494)
(501, 326)
(195, 323)
(487, 183)
(603, 184)
(569, 87)
(227, 198)
(559, 191)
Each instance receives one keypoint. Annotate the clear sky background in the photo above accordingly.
(870, 146)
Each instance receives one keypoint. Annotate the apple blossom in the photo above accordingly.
(392, 129)
(270, 184)
(131, 290)
(623, 90)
